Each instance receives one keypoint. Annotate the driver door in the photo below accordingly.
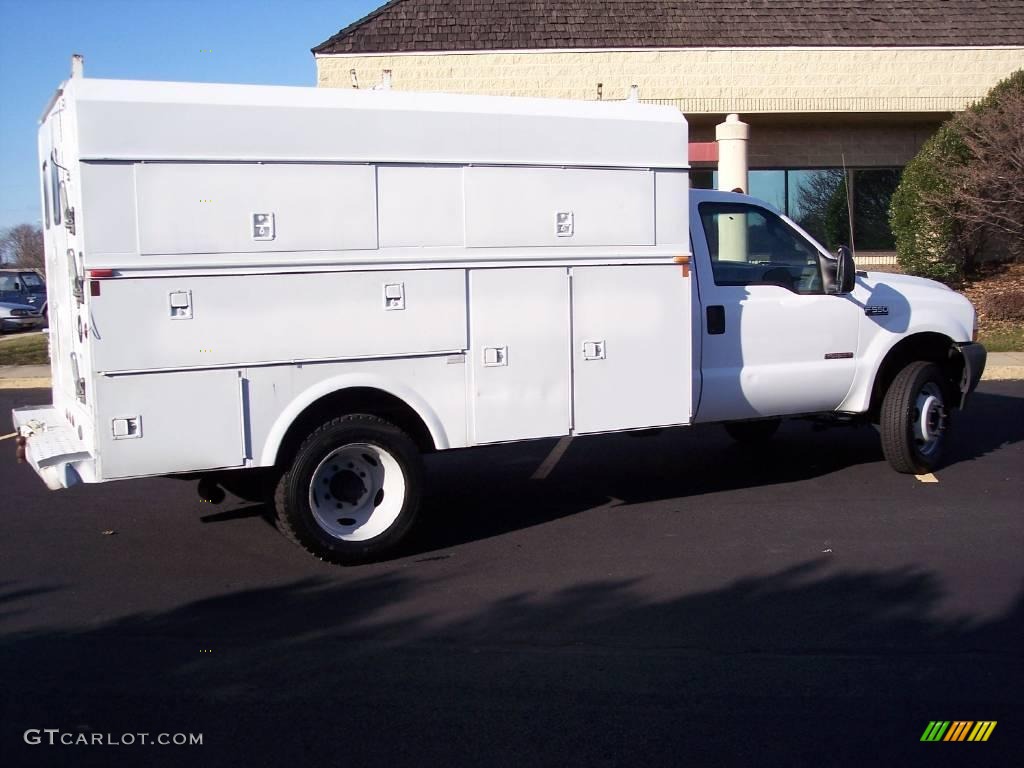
(774, 343)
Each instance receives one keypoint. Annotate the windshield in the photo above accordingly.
(33, 282)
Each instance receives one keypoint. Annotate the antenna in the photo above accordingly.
(849, 204)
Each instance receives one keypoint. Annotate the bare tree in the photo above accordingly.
(985, 195)
(22, 246)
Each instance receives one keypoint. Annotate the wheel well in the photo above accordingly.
(355, 400)
(933, 347)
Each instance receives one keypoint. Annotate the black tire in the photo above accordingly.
(752, 432)
(903, 446)
(294, 510)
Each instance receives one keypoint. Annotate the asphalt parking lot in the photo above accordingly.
(663, 600)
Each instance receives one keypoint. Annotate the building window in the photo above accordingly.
(769, 186)
(872, 193)
(816, 199)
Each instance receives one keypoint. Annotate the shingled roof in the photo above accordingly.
(480, 25)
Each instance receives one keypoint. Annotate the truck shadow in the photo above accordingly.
(487, 492)
(993, 419)
(490, 491)
(779, 669)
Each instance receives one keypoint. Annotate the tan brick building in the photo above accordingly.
(819, 81)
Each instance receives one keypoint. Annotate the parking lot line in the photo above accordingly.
(548, 465)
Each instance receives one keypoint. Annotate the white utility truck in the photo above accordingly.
(297, 291)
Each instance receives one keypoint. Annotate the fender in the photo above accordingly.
(878, 346)
(406, 394)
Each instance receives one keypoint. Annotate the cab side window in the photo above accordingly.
(752, 246)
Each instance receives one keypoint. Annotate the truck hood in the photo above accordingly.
(906, 282)
(916, 304)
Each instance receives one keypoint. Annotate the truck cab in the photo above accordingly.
(784, 336)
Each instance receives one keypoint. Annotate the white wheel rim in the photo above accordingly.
(357, 492)
(929, 418)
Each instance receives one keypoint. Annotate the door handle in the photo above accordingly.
(716, 319)
(495, 356)
(593, 350)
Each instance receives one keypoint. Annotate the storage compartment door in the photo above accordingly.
(157, 423)
(631, 347)
(519, 327)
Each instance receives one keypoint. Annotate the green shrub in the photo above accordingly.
(926, 238)
(958, 194)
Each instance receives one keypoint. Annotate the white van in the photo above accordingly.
(295, 292)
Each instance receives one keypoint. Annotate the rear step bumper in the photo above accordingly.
(53, 447)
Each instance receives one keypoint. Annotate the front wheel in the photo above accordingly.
(352, 491)
(914, 419)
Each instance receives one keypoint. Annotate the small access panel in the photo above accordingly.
(631, 347)
(519, 342)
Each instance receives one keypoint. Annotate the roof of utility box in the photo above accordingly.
(140, 120)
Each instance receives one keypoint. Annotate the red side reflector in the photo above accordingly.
(95, 273)
(94, 287)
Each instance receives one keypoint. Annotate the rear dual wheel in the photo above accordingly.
(352, 491)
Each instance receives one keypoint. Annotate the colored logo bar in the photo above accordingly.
(958, 730)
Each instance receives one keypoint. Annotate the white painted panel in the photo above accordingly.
(108, 209)
(641, 317)
(435, 387)
(525, 313)
(672, 196)
(191, 420)
(208, 207)
(518, 206)
(262, 318)
(154, 120)
(419, 205)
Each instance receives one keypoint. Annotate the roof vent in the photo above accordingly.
(77, 65)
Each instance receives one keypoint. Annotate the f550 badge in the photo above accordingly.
(958, 730)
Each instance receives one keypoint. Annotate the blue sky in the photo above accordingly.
(251, 41)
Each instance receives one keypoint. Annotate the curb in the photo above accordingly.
(1003, 373)
(25, 383)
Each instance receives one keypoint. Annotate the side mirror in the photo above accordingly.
(846, 270)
